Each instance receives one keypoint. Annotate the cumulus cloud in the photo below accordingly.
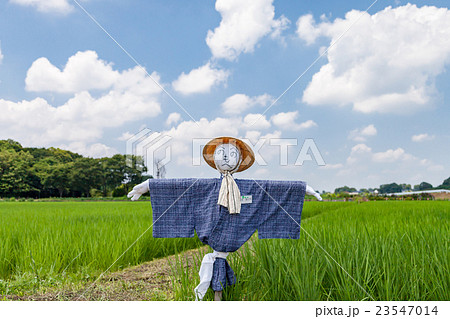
(200, 80)
(83, 71)
(375, 69)
(186, 133)
(391, 155)
(188, 137)
(357, 152)
(125, 136)
(253, 135)
(95, 150)
(243, 24)
(396, 164)
(360, 135)
(55, 6)
(173, 118)
(331, 166)
(287, 120)
(256, 121)
(82, 119)
(422, 137)
(238, 103)
(307, 29)
(363, 154)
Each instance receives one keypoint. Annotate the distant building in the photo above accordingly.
(436, 193)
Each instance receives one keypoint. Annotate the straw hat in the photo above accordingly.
(248, 157)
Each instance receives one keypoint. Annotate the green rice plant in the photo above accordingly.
(83, 238)
(375, 250)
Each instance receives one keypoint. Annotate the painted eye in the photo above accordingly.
(233, 154)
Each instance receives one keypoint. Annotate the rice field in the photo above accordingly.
(387, 250)
(52, 239)
(391, 251)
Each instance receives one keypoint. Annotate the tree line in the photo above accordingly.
(394, 188)
(53, 172)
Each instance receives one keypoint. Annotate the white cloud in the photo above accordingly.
(188, 134)
(278, 26)
(286, 120)
(363, 154)
(200, 80)
(369, 130)
(83, 117)
(422, 137)
(331, 166)
(360, 148)
(83, 71)
(56, 6)
(173, 118)
(1, 55)
(256, 121)
(125, 136)
(391, 155)
(307, 29)
(360, 135)
(238, 103)
(243, 24)
(95, 150)
(253, 136)
(378, 70)
(357, 152)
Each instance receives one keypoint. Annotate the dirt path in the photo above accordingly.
(148, 281)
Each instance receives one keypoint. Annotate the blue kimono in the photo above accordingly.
(182, 207)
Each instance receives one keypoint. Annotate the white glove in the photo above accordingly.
(311, 191)
(138, 190)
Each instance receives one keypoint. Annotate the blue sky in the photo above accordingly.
(375, 103)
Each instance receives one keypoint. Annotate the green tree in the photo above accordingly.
(390, 188)
(15, 172)
(113, 172)
(445, 184)
(10, 144)
(56, 172)
(344, 189)
(425, 186)
(85, 174)
(405, 187)
(54, 176)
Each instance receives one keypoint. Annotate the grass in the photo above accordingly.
(46, 243)
(392, 250)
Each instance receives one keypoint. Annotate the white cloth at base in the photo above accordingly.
(206, 272)
(229, 194)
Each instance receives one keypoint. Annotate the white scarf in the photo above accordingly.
(229, 194)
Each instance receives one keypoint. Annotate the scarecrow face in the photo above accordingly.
(226, 157)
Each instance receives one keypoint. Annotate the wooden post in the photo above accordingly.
(217, 295)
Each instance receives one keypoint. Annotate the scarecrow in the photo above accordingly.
(224, 212)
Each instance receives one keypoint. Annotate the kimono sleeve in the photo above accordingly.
(282, 209)
(173, 207)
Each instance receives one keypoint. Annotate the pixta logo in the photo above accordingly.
(151, 149)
